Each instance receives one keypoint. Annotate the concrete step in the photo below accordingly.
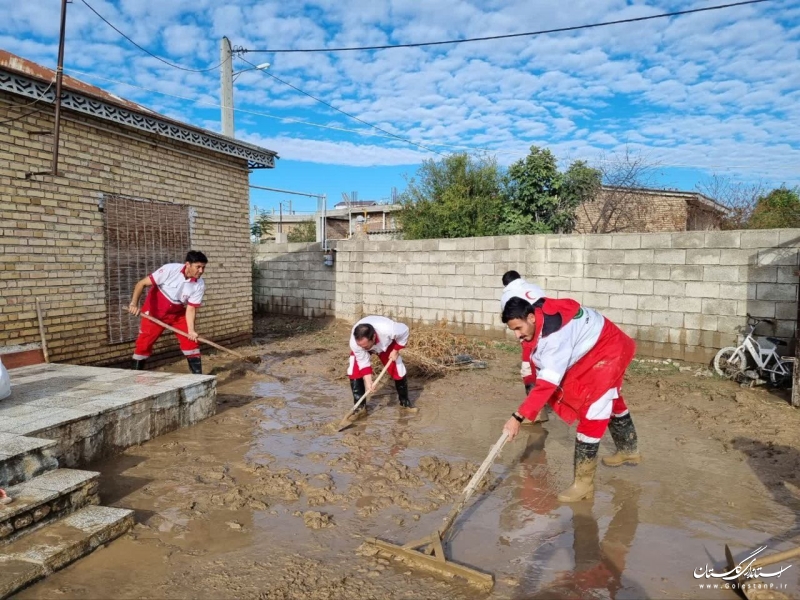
(23, 458)
(53, 547)
(44, 499)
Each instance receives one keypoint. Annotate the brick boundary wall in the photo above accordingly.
(680, 295)
(52, 241)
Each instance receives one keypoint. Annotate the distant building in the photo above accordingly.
(645, 210)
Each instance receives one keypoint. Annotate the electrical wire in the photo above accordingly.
(347, 114)
(145, 50)
(508, 35)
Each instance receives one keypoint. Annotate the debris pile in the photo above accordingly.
(433, 351)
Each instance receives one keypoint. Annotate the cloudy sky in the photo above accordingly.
(714, 92)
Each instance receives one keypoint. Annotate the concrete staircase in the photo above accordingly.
(54, 519)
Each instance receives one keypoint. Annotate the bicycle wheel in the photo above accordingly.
(730, 363)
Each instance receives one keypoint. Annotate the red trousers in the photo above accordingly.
(149, 332)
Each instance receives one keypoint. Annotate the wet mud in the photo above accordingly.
(264, 501)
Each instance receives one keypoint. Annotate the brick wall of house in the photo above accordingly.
(52, 243)
(625, 212)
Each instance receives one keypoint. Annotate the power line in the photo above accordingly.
(145, 50)
(347, 114)
(509, 35)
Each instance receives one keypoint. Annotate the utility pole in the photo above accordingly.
(280, 218)
(59, 77)
(226, 79)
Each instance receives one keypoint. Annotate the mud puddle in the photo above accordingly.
(263, 501)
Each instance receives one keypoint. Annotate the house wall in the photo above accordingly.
(52, 244)
(615, 211)
(680, 295)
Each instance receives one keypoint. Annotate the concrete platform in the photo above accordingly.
(78, 414)
(58, 544)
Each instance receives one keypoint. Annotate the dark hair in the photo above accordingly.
(365, 331)
(510, 276)
(517, 308)
(195, 256)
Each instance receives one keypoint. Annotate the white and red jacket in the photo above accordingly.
(390, 336)
(172, 291)
(519, 288)
(578, 356)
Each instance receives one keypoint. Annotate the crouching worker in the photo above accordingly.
(176, 294)
(384, 337)
(580, 358)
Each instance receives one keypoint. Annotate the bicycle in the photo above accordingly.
(756, 358)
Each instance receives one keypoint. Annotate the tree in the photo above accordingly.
(305, 231)
(541, 199)
(738, 198)
(261, 227)
(457, 196)
(779, 208)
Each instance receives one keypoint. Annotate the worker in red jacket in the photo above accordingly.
(580, 358)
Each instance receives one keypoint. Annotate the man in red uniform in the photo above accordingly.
(176, 294)
(580, 358)
(384, 337)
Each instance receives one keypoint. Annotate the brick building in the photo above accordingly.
(134, 190)
(642, 210)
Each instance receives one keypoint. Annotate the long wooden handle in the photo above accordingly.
(775, 558)
(41, 332)
(367, 393)
(473, 484)
(184, 334)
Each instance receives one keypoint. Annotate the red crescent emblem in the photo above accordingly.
(529, 297)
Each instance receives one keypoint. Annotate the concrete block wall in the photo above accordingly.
(51, 230)
(680, 295)
(291, 279)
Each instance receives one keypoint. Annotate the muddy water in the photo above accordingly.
(264, 501)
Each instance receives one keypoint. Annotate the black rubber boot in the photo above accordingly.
(359, 389)
(138, 365)
(195, 365)
(401, 385)
(624, 435)
(585, 467)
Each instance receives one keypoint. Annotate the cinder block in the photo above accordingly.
(756, 308)
(613, 314)
(597, 271)
(624, 302)
(655, 272)
(738, 291)
(579, 284)
(657, 241)
(626, 241)
(692, 239)
(723, 239)
(782, 292)
(733, 324)
(639, 257)
(686, 273)
(669, 257)
(779, 257)
(702, 290)
(787, 275)
(633, 286)
(557, 284)
(608, 286)
(625, 272)
(716, 273)
(484, 243)
(595, 300)
(570, 270)
(758, 239)
(607, 257)
(699, 321)
(789, 237)
(702, 256)
(667, 319)
(654, 303)
(559, 255)
(682, 304)
(785, 310)
(753, 274)
(719, 307)
(671, 288)
(736, 257)
(597, 242)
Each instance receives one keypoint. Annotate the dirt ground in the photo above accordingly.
(264, 501)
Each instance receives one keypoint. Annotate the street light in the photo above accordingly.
(226, 80)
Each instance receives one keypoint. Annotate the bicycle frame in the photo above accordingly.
(762, 359)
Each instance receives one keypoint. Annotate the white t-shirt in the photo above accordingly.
(175, 287)
(519, 288)
(388, 331)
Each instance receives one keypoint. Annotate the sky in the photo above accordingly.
(712, 93)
